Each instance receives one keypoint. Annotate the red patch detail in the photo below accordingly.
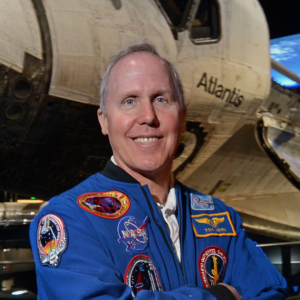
(108, 205)
(212, 264)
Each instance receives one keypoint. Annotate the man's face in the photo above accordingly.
(144, 118)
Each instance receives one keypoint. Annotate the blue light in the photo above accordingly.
(20, 292)
(286, 50)
(283, 80)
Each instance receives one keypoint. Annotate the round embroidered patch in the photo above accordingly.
(133, 233)
(212, 264)
(109, 205)
(52, 240)
(142, 275)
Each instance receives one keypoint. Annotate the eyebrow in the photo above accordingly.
(159, 92)
(133, 93)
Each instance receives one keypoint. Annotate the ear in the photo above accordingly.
(102, 121)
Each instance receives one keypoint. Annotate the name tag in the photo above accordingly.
(219, 224)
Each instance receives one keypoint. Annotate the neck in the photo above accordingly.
(159, 186)
(159, 182)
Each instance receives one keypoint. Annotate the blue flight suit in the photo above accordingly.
(106, 239)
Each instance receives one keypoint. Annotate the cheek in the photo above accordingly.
(119, 126)
(173, 124)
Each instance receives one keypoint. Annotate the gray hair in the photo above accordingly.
(139, 46)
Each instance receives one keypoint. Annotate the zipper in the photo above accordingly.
(161, 230)
(155, 221)
(180, 221)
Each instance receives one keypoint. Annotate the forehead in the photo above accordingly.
(139, 65)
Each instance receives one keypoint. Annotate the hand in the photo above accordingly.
(233, 291)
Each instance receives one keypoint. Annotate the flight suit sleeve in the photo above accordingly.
(252, 273)
(72, 263)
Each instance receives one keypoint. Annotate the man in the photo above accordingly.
(132, 231)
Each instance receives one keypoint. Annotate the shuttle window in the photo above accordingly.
(175, 10)
(206, 24)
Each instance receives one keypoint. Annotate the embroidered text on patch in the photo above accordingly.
(218, 224)
(212, 264)
(201, 202)
(52, 240)
(109, 205)
(133, 233)
(142, 275)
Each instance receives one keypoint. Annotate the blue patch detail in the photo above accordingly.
(133, 233)
(52, 240)
(201, 202)
(219, 224)
(210, 266)
(142, 275)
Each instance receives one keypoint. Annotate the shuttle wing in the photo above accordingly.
(277, 66)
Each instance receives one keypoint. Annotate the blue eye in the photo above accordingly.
(161, 100)
(129, 101)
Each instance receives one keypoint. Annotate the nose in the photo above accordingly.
(147, 114)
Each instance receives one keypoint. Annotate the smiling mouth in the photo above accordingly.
(145, 140)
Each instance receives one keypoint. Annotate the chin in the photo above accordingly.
(152, 166)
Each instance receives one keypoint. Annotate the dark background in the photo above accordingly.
(283, 17)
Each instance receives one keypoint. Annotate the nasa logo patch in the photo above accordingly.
(52, 240)
(201, 202)
(109, 205)
(142, 275)
(133, 233)
(212, 264)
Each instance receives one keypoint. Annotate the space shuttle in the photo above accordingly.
(243, 131)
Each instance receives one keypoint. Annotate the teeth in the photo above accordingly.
(145, 140)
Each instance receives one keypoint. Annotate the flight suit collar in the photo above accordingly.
(116, 173)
